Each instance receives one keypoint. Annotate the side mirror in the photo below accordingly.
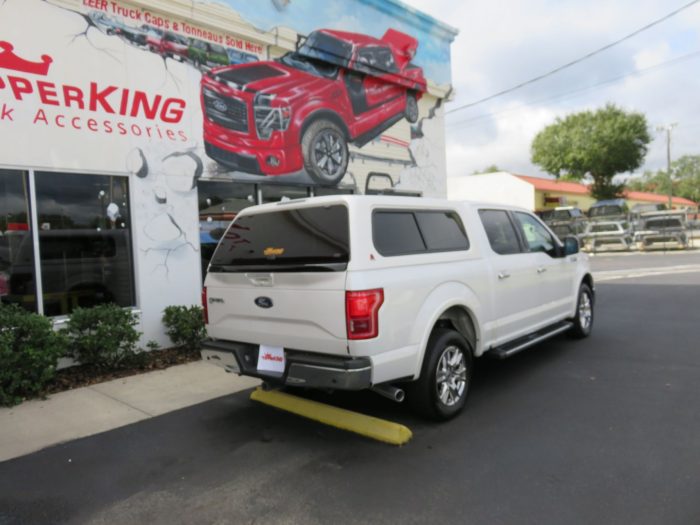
(571, 246)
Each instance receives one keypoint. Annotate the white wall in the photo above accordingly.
(498, 188)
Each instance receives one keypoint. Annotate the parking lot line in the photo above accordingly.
(368, 426)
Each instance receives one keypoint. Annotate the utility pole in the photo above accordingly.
(667, 128)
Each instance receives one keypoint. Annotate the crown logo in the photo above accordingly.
(9, 60)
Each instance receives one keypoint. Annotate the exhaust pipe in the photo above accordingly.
(390, 392)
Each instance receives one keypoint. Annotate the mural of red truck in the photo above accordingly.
(300, 112)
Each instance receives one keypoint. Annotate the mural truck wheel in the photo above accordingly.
(411, 108)
(325, 152)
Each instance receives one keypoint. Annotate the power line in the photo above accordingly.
(574, 62)
(674, 61)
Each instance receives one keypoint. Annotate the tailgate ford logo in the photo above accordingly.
(263, 302)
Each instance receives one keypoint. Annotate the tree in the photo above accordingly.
(685, 176)
(488, 169)
(599, 144)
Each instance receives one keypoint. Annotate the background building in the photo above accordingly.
(538, 194)
(134, 131)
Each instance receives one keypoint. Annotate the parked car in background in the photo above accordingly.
(607, 235)
(206, 54)
(240, 57)
(173, 46)
(609, 210)
(388, 293)
(301, 111)
(113, 26)
(565, 220)
(154, 36)
(662, 229)
(638, 209)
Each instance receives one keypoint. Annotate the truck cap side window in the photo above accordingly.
(499, 229)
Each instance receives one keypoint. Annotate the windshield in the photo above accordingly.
(289, 240)
(599, 228)
(663, 223)
(310, 65)
(601, 211)
(326, 48)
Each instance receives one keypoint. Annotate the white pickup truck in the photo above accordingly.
(396, 294)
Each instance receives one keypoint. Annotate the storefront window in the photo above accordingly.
(84, 241)
(219, 202)
(274, 193)
(17, 282)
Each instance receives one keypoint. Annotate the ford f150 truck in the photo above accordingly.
(301, 111)
(396, 294)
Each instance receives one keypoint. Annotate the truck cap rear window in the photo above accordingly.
(302, 239)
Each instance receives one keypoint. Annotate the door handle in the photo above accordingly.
(573, 258)
(260, 280)
(541, 269)
(503, 275)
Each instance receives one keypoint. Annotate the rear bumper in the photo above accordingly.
(301, 369)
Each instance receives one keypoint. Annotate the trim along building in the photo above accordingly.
(538, 194)
(134, 131)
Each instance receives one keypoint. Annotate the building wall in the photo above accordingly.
(543, 200)
(497, 188)
(139, 113)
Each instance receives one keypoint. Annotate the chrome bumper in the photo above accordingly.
(302, 368)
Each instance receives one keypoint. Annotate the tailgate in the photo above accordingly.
(278, 278)
(301, 311)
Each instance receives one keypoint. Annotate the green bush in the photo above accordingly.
(104, 336)
(184, 325)
(29, 351)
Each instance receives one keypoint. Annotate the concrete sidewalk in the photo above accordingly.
(73, 414)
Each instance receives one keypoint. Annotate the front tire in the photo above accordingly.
(583, 320)
(441, 390)
(325, 152)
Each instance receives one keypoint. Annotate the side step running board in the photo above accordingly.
(513, 347)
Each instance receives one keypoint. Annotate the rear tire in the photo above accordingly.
(411, 112)
(441, 390)
(583, 320)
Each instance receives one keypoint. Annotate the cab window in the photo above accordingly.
(536, 236)
(499, 229)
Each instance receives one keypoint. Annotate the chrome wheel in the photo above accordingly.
(328, 154)
(451, 376)
(585, 310)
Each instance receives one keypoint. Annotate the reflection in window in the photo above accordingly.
(84, 241)
(219, 203)
(273, 193)
(17, 282)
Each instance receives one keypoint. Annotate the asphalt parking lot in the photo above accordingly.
(603, 430)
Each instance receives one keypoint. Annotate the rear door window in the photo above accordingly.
(500, 230)
(303, 239)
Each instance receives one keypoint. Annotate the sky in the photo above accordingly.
(505, 42)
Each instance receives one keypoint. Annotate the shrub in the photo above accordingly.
(184, 325)
(104, 336)
(29, 351)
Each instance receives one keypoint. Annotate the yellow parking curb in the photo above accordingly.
(371, 427)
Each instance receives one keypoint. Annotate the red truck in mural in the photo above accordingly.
(301, 111)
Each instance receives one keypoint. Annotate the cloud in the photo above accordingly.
(504, 42)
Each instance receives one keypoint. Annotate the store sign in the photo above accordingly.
(27, 80)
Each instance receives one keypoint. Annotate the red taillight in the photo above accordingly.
(205, 311)
(362, 313)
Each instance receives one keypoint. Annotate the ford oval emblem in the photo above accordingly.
(220, 106)
(263, 302)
